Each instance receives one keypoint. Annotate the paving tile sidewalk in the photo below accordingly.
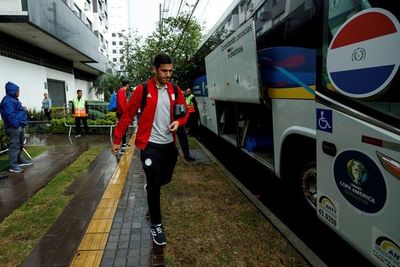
(129, 242)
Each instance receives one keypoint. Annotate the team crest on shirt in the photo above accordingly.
(148, 95)
(148, 162)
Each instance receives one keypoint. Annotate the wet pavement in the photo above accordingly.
(18, 187)
(59, 244)
(129, 241)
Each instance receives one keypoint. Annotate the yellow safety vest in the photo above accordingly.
(79, 107)
(190, 105)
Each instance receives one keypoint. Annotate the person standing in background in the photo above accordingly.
(46, 106)
(15, 119)
(122, 105)
(80, 111)
(192, 122)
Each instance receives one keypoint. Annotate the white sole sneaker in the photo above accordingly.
(16, 171)
(26, 164)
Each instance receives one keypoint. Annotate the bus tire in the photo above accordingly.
(308, 184)
(299, 170)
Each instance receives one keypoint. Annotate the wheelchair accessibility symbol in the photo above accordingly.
(324, 120)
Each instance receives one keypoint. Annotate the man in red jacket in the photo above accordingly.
(122, 104)
(155, 135)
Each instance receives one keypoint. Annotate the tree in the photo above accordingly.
(106, 84)
(178, 38)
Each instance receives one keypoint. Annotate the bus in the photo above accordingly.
(311, 90)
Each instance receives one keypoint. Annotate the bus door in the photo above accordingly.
(358, 127)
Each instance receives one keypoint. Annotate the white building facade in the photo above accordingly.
(52, 47)
(120, 20)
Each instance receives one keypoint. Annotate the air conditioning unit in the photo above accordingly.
(103, 46)
(103, 15)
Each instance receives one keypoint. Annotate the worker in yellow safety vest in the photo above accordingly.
(80, 113)
(192, 123)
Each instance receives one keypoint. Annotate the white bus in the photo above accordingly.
(311, 89)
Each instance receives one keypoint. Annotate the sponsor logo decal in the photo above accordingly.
(360, 181)
(385, 249)
(328, 211)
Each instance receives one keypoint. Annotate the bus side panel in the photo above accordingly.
(207, 113)
(357, 196)
(206, 106)
(291, 116)
(232, 68)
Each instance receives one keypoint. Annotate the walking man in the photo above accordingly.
(15, 120)
(155, 135)
(122, 104)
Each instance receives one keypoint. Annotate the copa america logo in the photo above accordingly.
(358, 54)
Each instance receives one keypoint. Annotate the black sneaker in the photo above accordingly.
(126, 145)
(157, 232)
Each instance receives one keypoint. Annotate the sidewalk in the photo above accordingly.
(125, 238)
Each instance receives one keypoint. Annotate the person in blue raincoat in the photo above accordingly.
(15, 119)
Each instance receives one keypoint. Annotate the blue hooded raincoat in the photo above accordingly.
(11, 109)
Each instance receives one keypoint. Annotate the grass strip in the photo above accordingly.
(32, 150)
(209, 222)
(22, 230)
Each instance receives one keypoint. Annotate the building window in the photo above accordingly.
(114, 51)
(121, 51)
(77, 10)
(114, 60)
(114, 34)
(121, 43)
(89, 23)
(114, 43)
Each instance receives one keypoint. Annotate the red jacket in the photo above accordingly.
(147, 116)
(122, 102)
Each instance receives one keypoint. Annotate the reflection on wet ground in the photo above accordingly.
(62, 151)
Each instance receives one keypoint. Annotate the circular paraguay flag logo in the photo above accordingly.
(364, 55)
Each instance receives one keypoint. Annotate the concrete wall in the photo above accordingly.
(31, 79)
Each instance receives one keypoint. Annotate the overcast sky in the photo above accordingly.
(146, 12)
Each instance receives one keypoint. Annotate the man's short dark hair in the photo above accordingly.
(124, 82)
(79, 90)
(162, 58)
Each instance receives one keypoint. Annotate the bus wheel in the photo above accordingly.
(309, 185)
